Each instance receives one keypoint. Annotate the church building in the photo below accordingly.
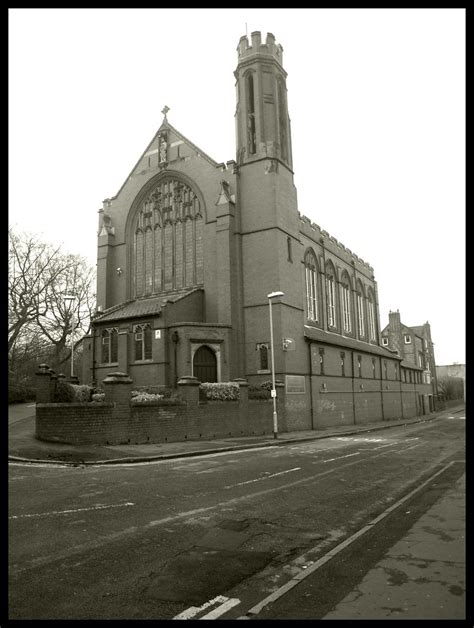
(189, 249)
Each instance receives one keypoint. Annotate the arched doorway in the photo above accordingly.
(205, 365)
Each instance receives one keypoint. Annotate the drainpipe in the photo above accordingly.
(93, 355)
(353, 385)
(311, 383)
(401, 393)
(381, 388)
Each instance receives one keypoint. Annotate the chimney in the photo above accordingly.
(394, 321)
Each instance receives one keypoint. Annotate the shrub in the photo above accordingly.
(65, 393)
(83, 392)
(144, 397)
(19, 393)
(97, 397)
(222, 391)
(255, 392)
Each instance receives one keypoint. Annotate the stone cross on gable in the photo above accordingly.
(165, 110)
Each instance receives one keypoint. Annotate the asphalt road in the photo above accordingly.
(19, 411)
(156, 540)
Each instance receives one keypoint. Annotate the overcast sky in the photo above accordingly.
(377, 106)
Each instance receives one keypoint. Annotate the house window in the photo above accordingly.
(407, 339)
(343, 355)
(263, 356)
(346, 308)
(142, 341)
(385, 342)
(385, 369)
(109, 346)
(321, 361)
(331, 284)
(311, 277)
(371, 317)
(410, 377)
(395, 366)
(360, 314)
(359, 364)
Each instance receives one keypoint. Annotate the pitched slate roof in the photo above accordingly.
(138, 308)
(131, 309)
(318, 335)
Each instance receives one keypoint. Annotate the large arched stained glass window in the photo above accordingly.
(167, 249)
(371, 315)
(346, 303)
(311, 282)
(360, 310)
(331, 295)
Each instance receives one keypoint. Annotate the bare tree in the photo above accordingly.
(40, 276)
(451, 387)
(34, 266)
(76, 279)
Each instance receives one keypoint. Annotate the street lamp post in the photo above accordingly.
(271, 296)
(69, 303)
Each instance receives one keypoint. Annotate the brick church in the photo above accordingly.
(189, 249)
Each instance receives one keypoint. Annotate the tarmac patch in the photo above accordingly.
(202, 573)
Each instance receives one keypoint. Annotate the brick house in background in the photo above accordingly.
(415, 347)
(189, 249)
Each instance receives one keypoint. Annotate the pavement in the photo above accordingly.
(423, 575)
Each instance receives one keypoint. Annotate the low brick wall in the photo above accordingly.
(99, 424)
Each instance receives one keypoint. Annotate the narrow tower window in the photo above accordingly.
(282, 120)
(251, 116)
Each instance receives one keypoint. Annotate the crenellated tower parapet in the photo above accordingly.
(262, 120)
(270, 47)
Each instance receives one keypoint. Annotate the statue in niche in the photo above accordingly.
(163, 149)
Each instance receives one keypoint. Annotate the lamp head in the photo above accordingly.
(275, 294)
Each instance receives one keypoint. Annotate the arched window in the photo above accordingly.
(371, 315)
(360, 310)
(346, 303)
(331, 295)
(109, 345)
(311, 280)
(282, 118)
(142, 341)
(251, 140)
(263, 356)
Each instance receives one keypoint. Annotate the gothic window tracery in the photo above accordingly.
(346, 303)
(109, 345)
(167, 249)
(311, 280)
(331, 295)
(142, 341)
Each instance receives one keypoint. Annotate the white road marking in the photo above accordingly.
(67, 512)
(265, 477)
(340, 457)
(192, 611)
(402, 451)
(32, 405)
(255, 610)
(220, 610)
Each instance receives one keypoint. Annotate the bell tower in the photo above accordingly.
(262, 121)
(266, 205)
